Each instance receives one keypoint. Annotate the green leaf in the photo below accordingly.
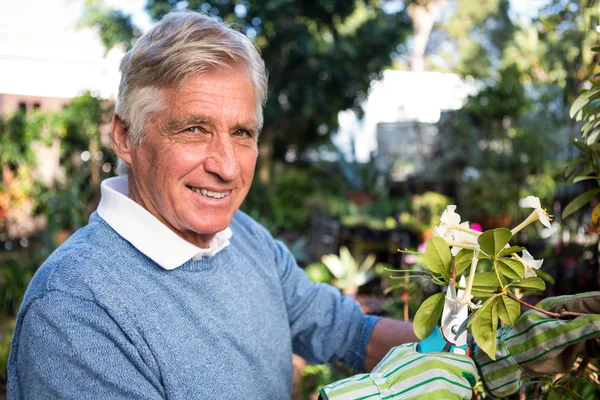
(483, 326)
(593, 137)
(486, 280)
(508, 310)
(590, 125)
(545, 276)
(584, 178)
(484, 284)
(511, 268)
(581, 101)
(533, 283)
(595, 146)
(462, 260)
(510, 250)
(579, 202)
(573, 165)
(570, 394)
(581, 146)
(348, 261)
(428, 315)
(593, 104)
(438, 257)
(493, 241)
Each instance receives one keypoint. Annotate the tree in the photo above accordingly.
(321, 58)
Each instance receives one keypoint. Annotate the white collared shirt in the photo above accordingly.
(148, 234)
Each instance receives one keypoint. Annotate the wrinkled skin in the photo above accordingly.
(204, 138)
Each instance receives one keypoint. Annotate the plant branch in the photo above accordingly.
(561, 314)
(581, 367)
(494, 267)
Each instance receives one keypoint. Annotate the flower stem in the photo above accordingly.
(464, 229)
(534, 216)
(466, 298)
(462, 245)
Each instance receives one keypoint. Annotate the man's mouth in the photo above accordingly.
(210, 193)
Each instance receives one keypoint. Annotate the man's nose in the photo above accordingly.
(222, 159)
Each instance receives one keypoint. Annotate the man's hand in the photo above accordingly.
(539, 345)
(406, 374)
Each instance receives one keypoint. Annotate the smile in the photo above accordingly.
(209, 193)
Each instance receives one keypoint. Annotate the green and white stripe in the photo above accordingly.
(407, 374)
(534, 338)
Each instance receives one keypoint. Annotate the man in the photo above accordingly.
(170, 291)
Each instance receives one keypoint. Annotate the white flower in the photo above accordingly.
(463, 237)
(449, 217)
(534, 202)
(458, 234)
(530, 264)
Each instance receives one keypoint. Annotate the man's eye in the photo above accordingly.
(192, 129)
(242, 132)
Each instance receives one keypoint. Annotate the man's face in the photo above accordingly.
(195, 164)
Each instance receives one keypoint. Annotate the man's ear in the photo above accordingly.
(121, 142)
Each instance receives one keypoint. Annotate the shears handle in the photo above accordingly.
(435, 342)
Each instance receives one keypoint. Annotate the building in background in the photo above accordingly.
(44, 64)
(400, 116)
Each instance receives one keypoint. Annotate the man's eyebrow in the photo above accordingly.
(177, 124)
(250, 127)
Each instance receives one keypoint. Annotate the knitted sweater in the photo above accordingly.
(101, 320)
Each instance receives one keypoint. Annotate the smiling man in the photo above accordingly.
(170, 291)
(195, 164)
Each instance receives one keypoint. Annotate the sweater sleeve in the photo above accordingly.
(68, 347)
(326, 327)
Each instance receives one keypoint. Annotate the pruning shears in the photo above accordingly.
(448, 335)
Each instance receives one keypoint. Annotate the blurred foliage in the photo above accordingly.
(587, 167)
(424, 213)
(348, 274)
(321, 57)
(296, 191)
(471, 40)
(318, 272)
(5, 339)
(39, 205)
(499, 140)
(114, 27)
(314, 377)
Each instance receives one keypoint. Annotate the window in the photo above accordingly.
(22, 106)
(36, 106)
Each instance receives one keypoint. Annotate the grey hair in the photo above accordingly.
(181, 45)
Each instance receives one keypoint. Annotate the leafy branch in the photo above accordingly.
(457, 249)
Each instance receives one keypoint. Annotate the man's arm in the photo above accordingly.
(68, 347)
(387, 333)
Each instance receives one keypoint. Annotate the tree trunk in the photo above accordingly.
(423, 14)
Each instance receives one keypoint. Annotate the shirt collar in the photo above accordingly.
(146, 233)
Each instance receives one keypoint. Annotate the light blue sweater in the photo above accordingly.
(101, 320)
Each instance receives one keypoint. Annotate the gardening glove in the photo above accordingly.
(539, 345)
(405, 373)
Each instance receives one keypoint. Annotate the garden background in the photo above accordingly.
(509, 72)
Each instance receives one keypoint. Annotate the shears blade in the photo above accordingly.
(453, 317)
